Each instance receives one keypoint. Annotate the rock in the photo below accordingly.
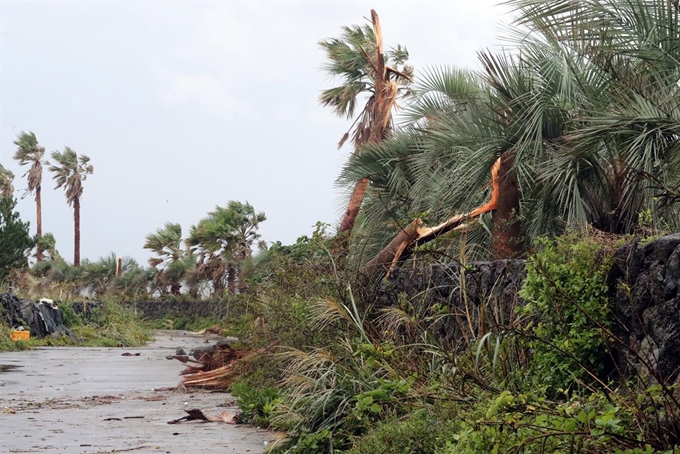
(644, 284)
(180, 352)
(480, 286)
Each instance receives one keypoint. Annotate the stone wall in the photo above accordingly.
(191, 311)
(644, 283)
(644, 286)
(486, 291)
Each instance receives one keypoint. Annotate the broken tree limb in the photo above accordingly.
(193, 415)
(415, 233)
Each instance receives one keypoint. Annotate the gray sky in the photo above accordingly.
(186, 105)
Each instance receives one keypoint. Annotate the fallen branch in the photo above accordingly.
(415, 233)
(197, 415)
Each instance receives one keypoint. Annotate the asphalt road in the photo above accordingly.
(94, 400)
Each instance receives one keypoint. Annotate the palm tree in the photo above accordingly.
(70, 173)
(48, 246)
(463, 128)
(359, 60)
(166, 243)
(6, 182)
(624, 142)
(30, 152)
(222, 240)
(575, 127)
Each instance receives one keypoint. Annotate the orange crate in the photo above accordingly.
(19, 335)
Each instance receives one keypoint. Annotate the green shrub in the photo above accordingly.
(568, 309)
(257, 404)
(422, 431)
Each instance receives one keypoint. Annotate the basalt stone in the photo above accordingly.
(464, 291)
(644, 285)
(191, 311)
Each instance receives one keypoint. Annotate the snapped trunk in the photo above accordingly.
(38, 221)
(76, 232)
(505, 224)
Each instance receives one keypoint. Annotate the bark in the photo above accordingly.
(232, 279)
(38, 219)
(390, 254)
(506, 231)
(76, 232)
(380, 114)
(119, 266)
(415, 233)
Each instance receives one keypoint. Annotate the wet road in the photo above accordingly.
(94, 400)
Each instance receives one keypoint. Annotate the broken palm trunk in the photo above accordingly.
(415, 233)
(373, 127)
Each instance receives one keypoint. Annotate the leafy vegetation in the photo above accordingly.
(14, 238)
(567, 301)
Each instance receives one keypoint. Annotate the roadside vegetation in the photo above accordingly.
(557, 151)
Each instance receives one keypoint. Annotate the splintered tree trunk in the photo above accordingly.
(416, 233)
(353, 207)
(505, 225)
(383, 100)
(38, 221)
(76, 232)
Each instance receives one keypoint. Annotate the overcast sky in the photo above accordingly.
(186, 105)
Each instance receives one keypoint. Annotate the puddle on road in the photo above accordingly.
(8, 367)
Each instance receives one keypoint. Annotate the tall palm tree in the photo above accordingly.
(30, 152)
(70, 173)
(6, 182)
(166, 243)
(358, 59)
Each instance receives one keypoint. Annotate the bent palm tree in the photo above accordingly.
(70, 173)
(30, 152)
(359, 60)
(6, 182)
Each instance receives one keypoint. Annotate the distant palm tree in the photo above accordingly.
(70, 173)
(358, 59)
(6, 182)
(222, 241)
(48, 246)
(30, 152)
(166, 242)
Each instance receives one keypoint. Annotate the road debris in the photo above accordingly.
(196, 414)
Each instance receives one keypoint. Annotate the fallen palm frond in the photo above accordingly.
(220, 378)
(217, 367)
